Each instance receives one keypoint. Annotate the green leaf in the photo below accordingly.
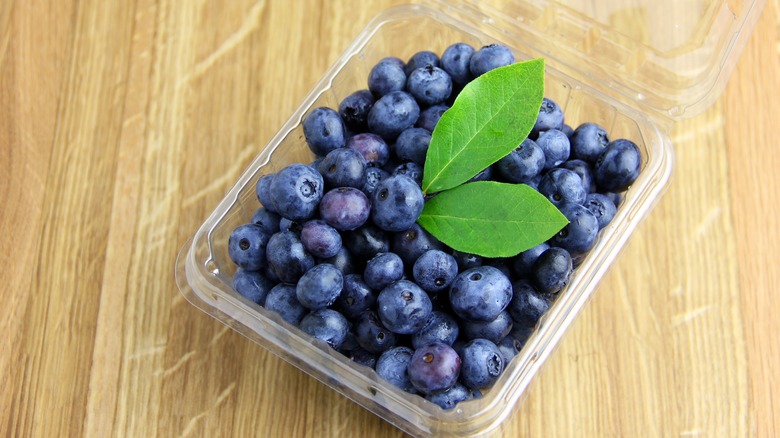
(491, 116)
(491, 219)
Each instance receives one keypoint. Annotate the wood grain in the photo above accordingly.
(123, 123)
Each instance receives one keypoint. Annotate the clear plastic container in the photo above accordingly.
(632, 66)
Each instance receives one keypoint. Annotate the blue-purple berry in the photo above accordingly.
(324, 131)
(434, 368)
(326, 325)
(282, 300)
(393, 366)
(247, 247)
(403, 307)
(481, 364)
(252, 285)
(319, 286)
(345, 208)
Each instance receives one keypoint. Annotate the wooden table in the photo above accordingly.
(122, 123)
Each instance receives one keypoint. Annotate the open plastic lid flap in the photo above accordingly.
(674, 56)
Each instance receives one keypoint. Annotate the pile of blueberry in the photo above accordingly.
(336, 251)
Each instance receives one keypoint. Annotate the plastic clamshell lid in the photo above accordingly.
(675, 63)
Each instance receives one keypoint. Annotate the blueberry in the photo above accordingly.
(252, 285)
(374, 175)
(482, 364)
(403, 307)
(386, 77)
(267, 220)
(315, 163)
(617, 167)
(451, 397)
(466, 260)
(420, 60)
(509, 347)
(528, 305)
(270, 274)
(393, 365)
(355, 297)
(493, 331)
(326, 325)
(343, 167)
(455, 61)
(320, 239)
(480, 294)
(588, 141)
(434, 368)
(566, 129)
(410, 169)
(579, 235)
(440, 328)
(555, 146)
(435, 270)
(288, 225)
(485, 174)
(372, 147)
(490, 57)
(247, 245)
(324, 131)
(616, 198)
(560, 186)
(393, 113)
(523, 163)
(430, 116)
(296, 191)
(354, 109)
(397, 203)
(534, 182)
(319, 286)
(413, 242)
(552, 270)
(412, 145)
(520, 334)
(584, 171)
(523, 263)
(282, 300)
(287, 257)
(550, 117)
(383, 269)
(361, 357)
(345, 208)
(263, 191)
(602, 207)
(429, 85)
(394, 60)
(342, 261)
(501, 263)
(366, 241)
(372, 335)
